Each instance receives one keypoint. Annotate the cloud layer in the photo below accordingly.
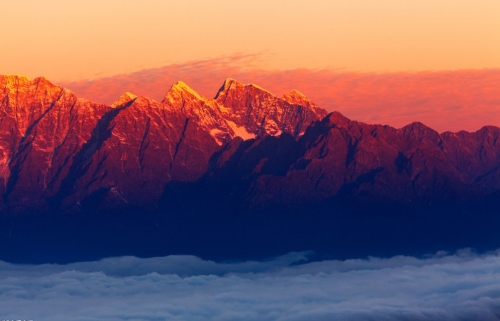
(463, 286)
(443, 100)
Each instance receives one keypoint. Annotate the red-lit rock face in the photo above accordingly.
(57, 150)
(259, 111)
(42, 128)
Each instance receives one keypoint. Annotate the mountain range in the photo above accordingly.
(245, 174)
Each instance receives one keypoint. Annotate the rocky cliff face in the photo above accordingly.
(258, 111)
(60, 152)
(337, 158)
(42, 128)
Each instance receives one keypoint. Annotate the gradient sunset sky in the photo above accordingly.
(383, 61)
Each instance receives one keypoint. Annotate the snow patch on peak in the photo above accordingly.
(240, 131)
(125, 98)
(216, 134)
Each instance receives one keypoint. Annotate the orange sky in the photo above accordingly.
(348, 55)
(443, 100)
(80, 39)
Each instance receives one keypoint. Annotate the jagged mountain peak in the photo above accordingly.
(23, 91)
(180, 85)
(259, 111)
(180, 91)
(125, 98)
(259, 88)
(296, 97)
(7, 78)
(337, 119)
(227, 85)
(420, 131)
(417, 127)
(416, 124)
(489, 129)
(14, 82)
(232, 87)
(230, 81)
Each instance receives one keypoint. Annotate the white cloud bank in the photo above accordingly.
(463, 286)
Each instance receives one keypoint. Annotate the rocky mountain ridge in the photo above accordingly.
(373, 164)
(59, 150)
(243, 175)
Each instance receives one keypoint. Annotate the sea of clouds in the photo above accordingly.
(459, 286)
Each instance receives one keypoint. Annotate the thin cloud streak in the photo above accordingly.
(443, 100)
(462, 286)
